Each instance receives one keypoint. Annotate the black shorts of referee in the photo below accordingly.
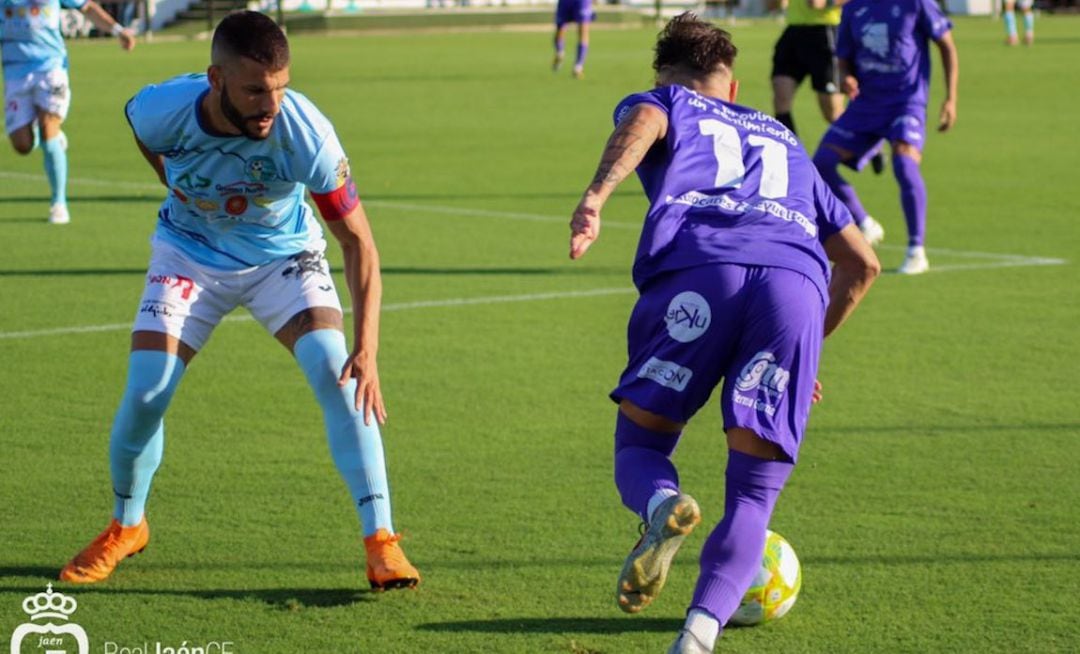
(808, 50)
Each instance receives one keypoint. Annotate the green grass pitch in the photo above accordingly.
(935, 505)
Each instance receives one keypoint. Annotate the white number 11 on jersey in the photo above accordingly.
(730, 169)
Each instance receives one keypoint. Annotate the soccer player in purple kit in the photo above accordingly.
(734, 276)
(885, 67)
(573, 11)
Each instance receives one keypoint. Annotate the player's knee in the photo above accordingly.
(22, 146)
(901, 149)
(321, 354)
(152, 380)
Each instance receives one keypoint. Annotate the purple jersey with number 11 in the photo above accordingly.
(729, 184)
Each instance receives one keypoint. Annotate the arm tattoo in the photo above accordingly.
(624, 151)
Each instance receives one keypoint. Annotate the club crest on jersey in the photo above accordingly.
(261, 169)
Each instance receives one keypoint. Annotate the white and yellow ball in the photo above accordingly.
(775, 587)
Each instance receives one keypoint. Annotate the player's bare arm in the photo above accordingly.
(950, 62)
(825, 4)
(849, 84)
(642, 126)
(362, 275)
(156, 161)
(104, 22)
(855, 266)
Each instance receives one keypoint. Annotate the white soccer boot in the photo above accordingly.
(872, 231)
(687, 643)
(915, 263)
(58, 214)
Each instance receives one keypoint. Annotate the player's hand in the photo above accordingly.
(584, 226)
(948, 116)
(361, 366)
(850, 86)
(127, 39)
(817, 4)
(816, 397)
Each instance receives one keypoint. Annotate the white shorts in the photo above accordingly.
(45, 90)
(187, 300)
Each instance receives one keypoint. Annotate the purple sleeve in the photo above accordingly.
(660, 98)
(845, 45)
(832, 215)
(932, 22)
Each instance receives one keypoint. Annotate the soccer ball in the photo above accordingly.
(775, 587)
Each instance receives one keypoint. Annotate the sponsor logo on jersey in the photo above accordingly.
(342, 172)
(666, 373)
(236, 205)
(688, 316)
(763, 372)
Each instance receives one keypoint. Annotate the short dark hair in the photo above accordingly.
(253, 35)
(695, 44)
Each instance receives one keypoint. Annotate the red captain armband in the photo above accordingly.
(338, 203)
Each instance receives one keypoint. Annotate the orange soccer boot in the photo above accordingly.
(98, 559)
(387, 566)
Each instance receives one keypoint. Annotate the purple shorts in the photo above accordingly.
(574, 11)
(861, 128)
(758, 329)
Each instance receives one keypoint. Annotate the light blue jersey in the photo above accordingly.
(30, 39)
(236, 202)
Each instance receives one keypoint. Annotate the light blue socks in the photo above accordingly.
(56, 167)
(138, 432)
(356, 448)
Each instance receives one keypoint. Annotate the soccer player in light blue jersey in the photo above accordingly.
(236, 149)
(1009, 14)
(736, 294)
(37, 93)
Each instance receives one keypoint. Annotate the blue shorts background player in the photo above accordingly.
(236, 150)
(734, 275)
(573, 11)
(37, 92)
(882, 49)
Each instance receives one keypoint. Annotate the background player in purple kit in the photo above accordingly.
(733, 271)
(884, 60)
(573, 11)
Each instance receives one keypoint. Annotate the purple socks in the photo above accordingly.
(643, 465)
(827, 160)
(582, 50)
(912, 197)
(732, 553)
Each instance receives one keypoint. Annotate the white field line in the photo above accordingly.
(387, 308)
(992, 260)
